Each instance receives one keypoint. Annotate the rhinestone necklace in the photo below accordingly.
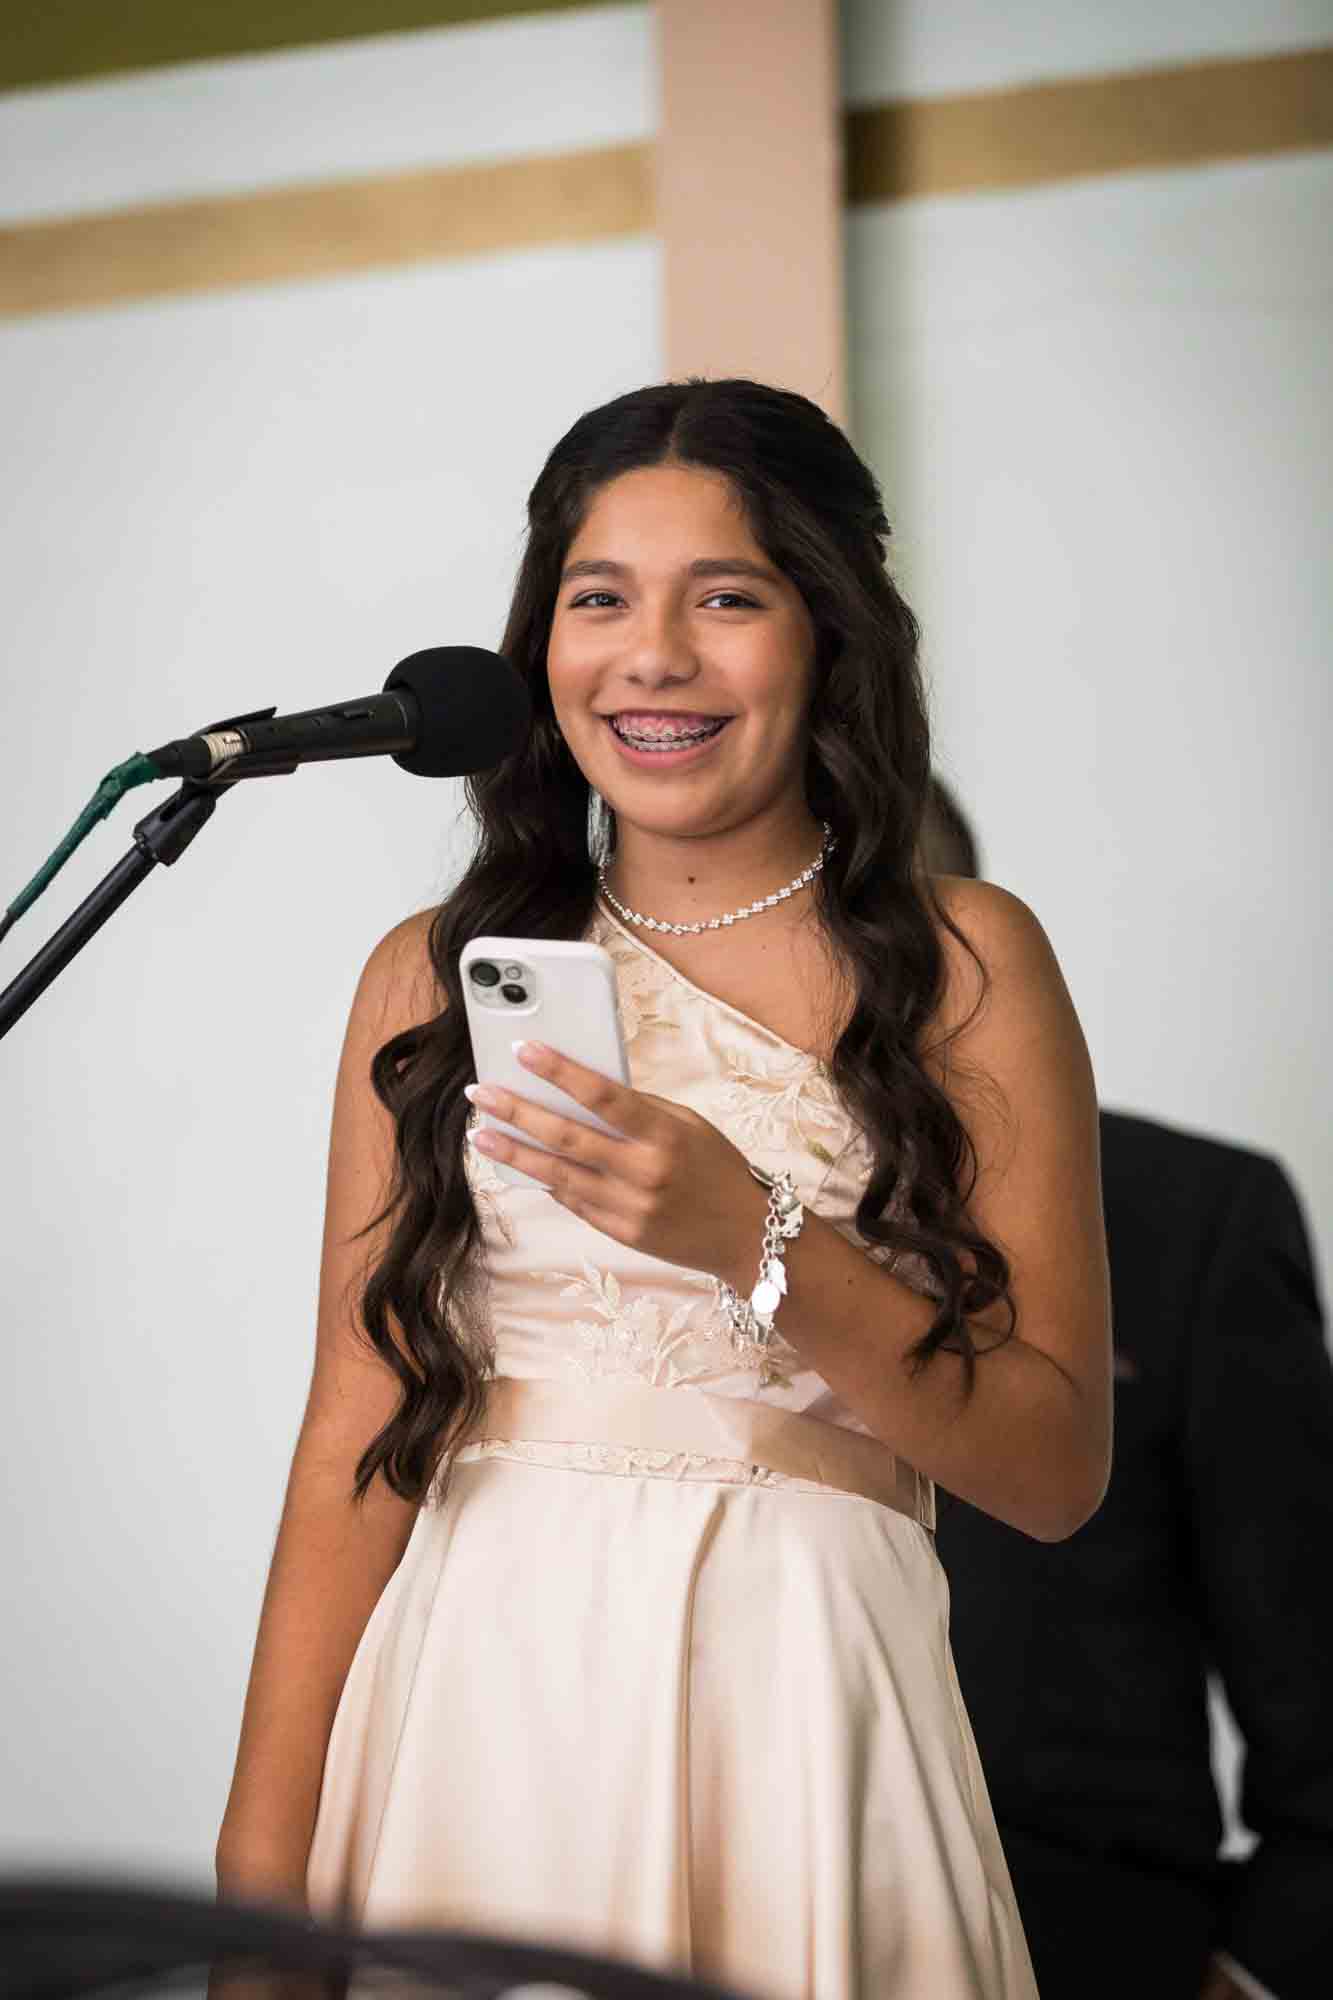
(734, 916)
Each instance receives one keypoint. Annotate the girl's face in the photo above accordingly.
(672, 628)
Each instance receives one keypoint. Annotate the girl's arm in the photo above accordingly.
(1032, 1444)
(333, 1555)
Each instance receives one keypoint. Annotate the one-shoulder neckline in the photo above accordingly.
(714, 1000)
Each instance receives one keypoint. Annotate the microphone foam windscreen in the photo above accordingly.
(473, 705)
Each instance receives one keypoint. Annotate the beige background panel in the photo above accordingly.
(1094, 125)
(750, 195)
(355, 225)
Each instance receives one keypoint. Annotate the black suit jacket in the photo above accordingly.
(1084, 1664)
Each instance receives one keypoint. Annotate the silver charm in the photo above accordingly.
(752, 1319)
(766, 1298)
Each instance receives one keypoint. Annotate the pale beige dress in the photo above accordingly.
(666, 1675)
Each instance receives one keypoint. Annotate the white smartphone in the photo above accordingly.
(547, 990)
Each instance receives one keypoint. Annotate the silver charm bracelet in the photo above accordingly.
(752, 1319)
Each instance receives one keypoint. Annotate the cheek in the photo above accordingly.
(782, 678)
(565, 673)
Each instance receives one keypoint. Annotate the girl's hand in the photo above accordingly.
(670, 1184)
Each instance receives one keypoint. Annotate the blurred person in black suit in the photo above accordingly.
(1085, 1664)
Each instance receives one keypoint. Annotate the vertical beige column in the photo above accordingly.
(749, 197)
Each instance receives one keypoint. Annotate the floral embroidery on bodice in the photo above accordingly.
(564, 1301)
(667, 1346)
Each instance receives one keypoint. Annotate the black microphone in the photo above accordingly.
(444, 712)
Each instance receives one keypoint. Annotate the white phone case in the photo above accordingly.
(569, 1003)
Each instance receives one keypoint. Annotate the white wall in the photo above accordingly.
(1102, 419)
(212, 504)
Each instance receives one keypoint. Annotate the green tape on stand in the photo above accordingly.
(136, 770)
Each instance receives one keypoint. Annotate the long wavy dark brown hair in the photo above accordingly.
(816, 511)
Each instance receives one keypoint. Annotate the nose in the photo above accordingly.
(658, 653)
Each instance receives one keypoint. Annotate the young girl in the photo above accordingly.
(605, 1606)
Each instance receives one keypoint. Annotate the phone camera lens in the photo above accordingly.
(483, 973)
(515, 994)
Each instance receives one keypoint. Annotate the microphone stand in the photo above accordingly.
(161, 836)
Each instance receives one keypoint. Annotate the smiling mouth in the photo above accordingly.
(664, 733)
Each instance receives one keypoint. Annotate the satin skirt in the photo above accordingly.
(685, 1709)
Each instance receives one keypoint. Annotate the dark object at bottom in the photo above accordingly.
(62, 1938)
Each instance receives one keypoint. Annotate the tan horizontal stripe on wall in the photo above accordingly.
(1015, 138)
(1091, 125)
(325, 230)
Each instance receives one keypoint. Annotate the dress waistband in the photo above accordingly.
(690, 1420)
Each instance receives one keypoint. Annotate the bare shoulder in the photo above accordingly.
(1002, 957)
(1005, 1033)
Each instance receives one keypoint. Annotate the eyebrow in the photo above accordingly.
(704, 567)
